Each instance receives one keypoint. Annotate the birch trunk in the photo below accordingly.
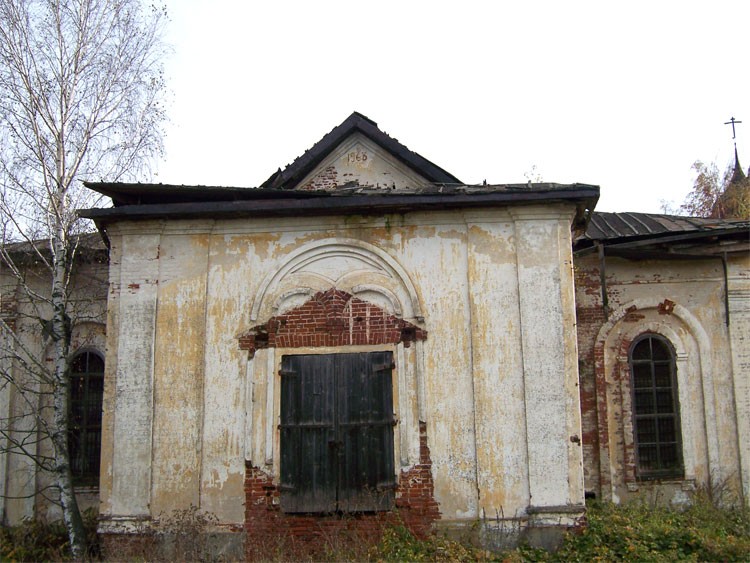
(61, 401)
(81, 90)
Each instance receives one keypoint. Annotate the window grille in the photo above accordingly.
(85, 421)
(656, 418)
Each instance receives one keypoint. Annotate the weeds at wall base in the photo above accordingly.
(181, 535)
(642, 531)
(710, 529)
(38, 540)
(395, 543)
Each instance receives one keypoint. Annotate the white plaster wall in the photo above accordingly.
(208, 408)
(497, 358)
(131, 400)
(549, 357)
(24, 395)
(739, 335)
(233, 277)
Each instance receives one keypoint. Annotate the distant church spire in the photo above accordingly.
(737, 175)
(734, 201)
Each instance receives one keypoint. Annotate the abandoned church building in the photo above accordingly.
(365, 335)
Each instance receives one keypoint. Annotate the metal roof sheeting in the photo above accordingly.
(604, 226)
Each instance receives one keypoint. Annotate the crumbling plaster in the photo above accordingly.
(359, 161)
(684, 302)
(493, 380)
(19, 475)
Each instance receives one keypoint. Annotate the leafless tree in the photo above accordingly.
(81, 86)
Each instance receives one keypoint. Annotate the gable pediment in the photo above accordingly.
(360, 162)
(358, 153)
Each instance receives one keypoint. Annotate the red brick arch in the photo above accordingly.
(331, 318)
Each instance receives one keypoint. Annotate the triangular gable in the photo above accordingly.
(359, 162)
(357, 152)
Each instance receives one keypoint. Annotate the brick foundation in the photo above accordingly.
(128, 547)
(268, 527)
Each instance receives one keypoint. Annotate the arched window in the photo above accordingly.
(85, 425)
(656, 417)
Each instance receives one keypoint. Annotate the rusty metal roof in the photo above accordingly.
(607, 226)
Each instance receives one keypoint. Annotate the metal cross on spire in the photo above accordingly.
(732, 122)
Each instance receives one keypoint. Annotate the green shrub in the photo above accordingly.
(634, 532)
(185, 536)
(394, 543)
(398, 544)
(641, 532)
(706, 530)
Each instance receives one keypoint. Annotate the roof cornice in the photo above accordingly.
(307, 204)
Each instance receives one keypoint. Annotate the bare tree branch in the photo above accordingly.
(81, 85)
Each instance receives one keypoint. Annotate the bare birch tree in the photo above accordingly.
(80, 90)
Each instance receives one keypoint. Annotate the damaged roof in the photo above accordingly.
(144, 201)
(625, 233)
(281, 194)
(294, 173)
(150, 194)
(86, 247)
(605, 226)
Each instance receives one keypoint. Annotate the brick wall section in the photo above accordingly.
(268, 528)
(589, 319)
(8, 310)
(331, 318)
(415, 496)
(327, 180)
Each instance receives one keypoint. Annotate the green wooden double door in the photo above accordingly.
(337, 432)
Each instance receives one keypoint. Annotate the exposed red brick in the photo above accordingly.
(590, 316)
(266, 525)
(594, 390)
(666, 307)
(325, 180)
(632, 317)
(331, 318)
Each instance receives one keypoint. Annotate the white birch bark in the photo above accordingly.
(80, 91)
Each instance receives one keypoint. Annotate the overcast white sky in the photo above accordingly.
(626, 95)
